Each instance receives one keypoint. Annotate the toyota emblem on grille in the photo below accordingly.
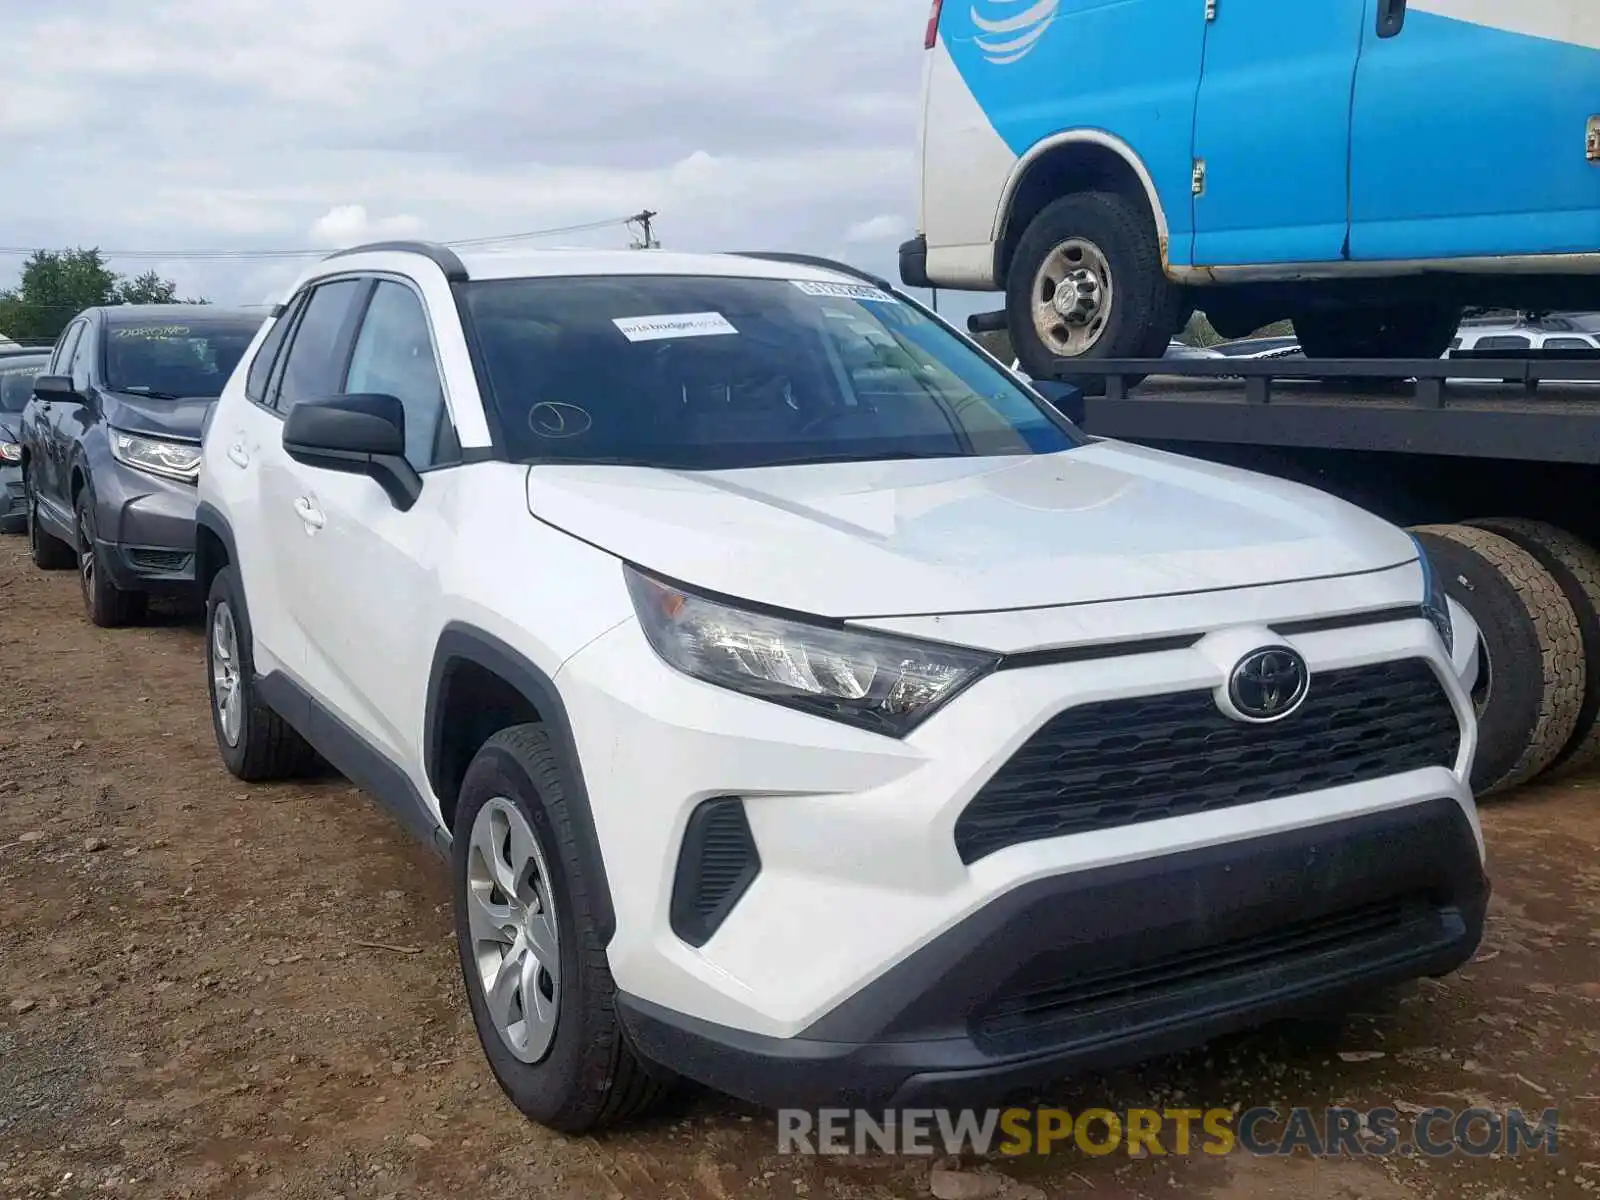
(1269, 684)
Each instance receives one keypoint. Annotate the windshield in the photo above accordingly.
(16, 381)
(711, 373)
(187, 359)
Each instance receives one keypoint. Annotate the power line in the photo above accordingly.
(284, 255)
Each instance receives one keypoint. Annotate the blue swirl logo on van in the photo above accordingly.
(1006, 35)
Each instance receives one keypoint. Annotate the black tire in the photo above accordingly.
(1146, 308)
(105, 604)
(1378, 331)
(49, 553)
(1534, 650)
(590, 1077)
(267, 748)
(1576, 567)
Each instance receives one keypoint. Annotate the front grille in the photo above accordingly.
(163, 561)
(716, 866)
(1124, 762)
(1055, 991)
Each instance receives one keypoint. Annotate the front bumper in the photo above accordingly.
(1118, 963)
(13, 502)
(147, 528)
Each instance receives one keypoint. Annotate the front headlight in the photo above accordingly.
(1435, 605)
(888, 685)
(10, 452)
(171, 460)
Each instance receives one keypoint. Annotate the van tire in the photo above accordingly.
(1575, 565)
(1143, 308)
(1378, 331)
(1534, 651)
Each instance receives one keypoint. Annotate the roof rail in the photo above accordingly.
(441, 256)
(816, 260)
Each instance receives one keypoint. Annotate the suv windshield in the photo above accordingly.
(185, 358)
(16, 381)
(712, 373)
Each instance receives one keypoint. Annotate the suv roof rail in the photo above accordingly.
(816, 260)
(440, 255)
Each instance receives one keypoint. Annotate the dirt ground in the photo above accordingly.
(211, 990)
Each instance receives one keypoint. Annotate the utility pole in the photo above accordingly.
(646, 242)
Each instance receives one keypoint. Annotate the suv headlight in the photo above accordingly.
(1435, 605)
(887, 685)
(10, 452)
(171, 460)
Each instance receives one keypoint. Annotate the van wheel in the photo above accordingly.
(1087, 281)
(1532, 689)
(537, 978)
(1378, 331)
(1576, 567)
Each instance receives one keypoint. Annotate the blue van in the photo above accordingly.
(1365, 167)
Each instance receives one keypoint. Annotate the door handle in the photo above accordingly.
(238, 455)
(308, 512)
(1391, 17)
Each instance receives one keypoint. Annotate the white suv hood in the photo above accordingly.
(1107, 521)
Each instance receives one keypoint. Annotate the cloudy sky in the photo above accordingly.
(166, 125)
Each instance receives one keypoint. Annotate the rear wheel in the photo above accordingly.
(107, 605)
(1531, 690)
(1087, 281)
(1378, 331)
(256, 743)
(49, 553)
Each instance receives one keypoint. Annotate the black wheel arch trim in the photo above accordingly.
(461, 642)
(208, 517)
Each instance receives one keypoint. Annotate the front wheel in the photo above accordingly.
(1087, 281)
(1378, 331)
(537, 978)
(106, 605)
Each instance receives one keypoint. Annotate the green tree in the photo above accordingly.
(57, 285)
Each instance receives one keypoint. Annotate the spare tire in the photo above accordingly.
(1529, 705)
(1575, 565)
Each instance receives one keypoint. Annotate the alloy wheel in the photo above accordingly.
(226, 682)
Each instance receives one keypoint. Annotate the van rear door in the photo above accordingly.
(1470, 130)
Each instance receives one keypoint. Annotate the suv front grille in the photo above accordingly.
(1124, 762)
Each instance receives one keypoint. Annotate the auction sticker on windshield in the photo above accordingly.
(845, 291)
(673, 325)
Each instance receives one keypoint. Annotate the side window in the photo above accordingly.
(83, 356)
(315, 359)
(255, 383)
(394, 357)
(1567, 343)
(61, 358)
(1510, 341)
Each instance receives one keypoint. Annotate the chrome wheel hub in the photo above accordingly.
(1073, 294)
(225, 678)
(516, 945)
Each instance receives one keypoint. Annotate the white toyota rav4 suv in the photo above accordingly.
(805, 706)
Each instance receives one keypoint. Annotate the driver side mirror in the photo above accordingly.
(362, 434)
(51, 388)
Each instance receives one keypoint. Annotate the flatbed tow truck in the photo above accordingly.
(1493, 462)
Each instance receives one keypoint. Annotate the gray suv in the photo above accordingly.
(111, 444)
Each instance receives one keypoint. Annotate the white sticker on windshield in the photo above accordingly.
(845, 291)
(673, 325)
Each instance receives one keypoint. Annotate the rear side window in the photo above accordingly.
(1503, 342)
(1567, 343)
(314, 368)
(255, 383)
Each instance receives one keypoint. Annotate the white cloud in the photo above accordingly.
(885, 228)
(286, 124)
(349, 225)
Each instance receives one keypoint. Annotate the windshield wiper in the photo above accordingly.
(845, 456)
(138, 389)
